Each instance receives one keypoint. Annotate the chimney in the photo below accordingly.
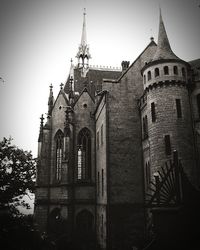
(125, 65)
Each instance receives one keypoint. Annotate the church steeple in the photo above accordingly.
(83, 50)
(163, 50)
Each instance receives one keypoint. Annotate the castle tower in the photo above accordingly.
(165, 110)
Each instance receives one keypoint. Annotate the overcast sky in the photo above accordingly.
(39, 37)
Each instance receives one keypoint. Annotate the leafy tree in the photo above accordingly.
(17, 176)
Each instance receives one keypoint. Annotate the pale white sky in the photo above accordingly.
(39, 37)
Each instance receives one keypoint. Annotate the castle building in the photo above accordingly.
(107, 134)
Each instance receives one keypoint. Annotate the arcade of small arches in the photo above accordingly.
(166, 71)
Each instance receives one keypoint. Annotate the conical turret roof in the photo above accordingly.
(163, 50)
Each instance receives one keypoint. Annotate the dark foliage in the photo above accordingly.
(17, 171)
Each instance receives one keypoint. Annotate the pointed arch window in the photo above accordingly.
(84, 155)
(59, 154)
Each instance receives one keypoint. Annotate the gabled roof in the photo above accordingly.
(62, 92)
(92, 81)
(152, 43)
(83, 91)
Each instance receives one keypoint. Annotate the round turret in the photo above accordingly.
(165, 111)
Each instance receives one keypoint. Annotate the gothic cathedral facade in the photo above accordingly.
(107, 134)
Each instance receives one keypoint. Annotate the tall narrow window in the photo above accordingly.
(153, 112)
(59, 153)
(102, 134)
(145, 127)
(178, 108)
(175, 70)
(166, 70)
(149, 75)
(102, 182)
(144, 77)
(183, 72)
(157, 73)
(198, 104)
(167, 145)
(148, 173)
(79, 163)
(84, 155)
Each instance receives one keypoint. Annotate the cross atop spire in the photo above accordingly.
(163, 50)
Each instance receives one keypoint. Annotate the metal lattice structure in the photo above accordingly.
(166, 190)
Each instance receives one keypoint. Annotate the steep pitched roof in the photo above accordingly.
(93, 80)
(163, 50)
(152, 43)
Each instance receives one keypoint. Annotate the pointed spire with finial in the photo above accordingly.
(84, 36)
(41, 128)
(83, 51)
(51, 100)
(71, 77)
(163, 50)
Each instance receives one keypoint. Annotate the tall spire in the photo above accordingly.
(163, 50)
(84, 35)
(83, 50)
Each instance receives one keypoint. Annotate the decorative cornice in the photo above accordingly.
(164, 83)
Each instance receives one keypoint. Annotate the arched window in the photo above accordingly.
(183, 72)
(144, 77)
(156, 72)
(166, 70)
(149, 75)
(59, 154)
(84, 154)
(175, 70)
(198, 104)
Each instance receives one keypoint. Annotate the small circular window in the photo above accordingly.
(85, 105)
